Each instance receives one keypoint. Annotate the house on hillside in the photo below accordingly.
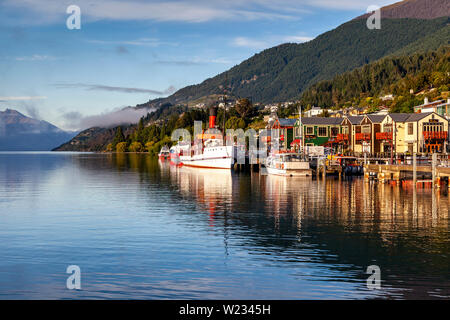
(440, 107)
(313, 112)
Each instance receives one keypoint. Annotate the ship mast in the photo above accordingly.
(224, 101)
(300, 128)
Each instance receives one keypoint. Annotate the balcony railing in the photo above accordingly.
(362, 136)
(341, 137)
(437, 135)
(384, 135)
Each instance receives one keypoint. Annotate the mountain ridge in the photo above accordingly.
(21, 133)
(284, 72)
(281, 73)
(415, 9)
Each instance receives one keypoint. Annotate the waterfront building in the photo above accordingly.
(374, 134)
(285, 134)
(365, 134)
(414, 132)
(351, 125)
(319, 131)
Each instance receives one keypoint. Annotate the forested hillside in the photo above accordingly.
(393, 75)
(284, 72)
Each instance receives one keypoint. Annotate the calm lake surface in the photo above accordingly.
(139, 229)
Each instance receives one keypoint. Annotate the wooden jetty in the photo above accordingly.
(434, 173)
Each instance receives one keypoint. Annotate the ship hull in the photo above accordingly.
(215, 157)
(214, 163)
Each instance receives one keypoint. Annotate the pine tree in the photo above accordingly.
(139, 135)
(119, 137)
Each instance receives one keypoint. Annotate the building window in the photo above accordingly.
(309, 130)
(334, 131)
(365, 129)
(410, 128)
(323, 132)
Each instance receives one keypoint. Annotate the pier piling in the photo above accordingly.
(433, 169)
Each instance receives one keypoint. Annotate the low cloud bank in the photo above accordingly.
(76, 121)
(101, 87)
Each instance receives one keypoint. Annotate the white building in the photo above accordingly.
(313, 112)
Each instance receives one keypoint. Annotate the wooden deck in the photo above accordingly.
(393, 172)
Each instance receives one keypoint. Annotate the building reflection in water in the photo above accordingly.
(343, 226)
(356, 222)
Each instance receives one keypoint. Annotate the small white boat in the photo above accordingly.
(288, 164)
(180, 149)
(164, 153)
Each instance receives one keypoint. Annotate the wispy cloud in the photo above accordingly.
(297, 39)
(196, 61)
(3, 99)
(74, 120)
(348, 4)
(32, 111)
(191, 11)
(250, 43)
(100, 87)
(35, 57)
(180, 62)
(147, 42)
(268, 41)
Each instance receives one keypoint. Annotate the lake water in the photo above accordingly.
(141, 230)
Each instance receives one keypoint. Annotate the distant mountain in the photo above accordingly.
(92, 139)
(21, 133)
(283, 72)
(390, 75)
(416, 9)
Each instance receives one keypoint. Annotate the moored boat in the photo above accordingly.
(181, 148)
(213, 155)
(288, 164)
(164, 153)
(209, 150)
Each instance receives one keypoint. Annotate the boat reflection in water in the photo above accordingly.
(147, 230)
(332, 230)
(211, 188)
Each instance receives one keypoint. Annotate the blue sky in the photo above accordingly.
(128, 52)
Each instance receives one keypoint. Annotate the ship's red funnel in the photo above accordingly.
(212, 117)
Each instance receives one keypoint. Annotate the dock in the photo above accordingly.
(436, 172)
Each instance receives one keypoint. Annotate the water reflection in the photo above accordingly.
(145, 229)
(351, 224)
